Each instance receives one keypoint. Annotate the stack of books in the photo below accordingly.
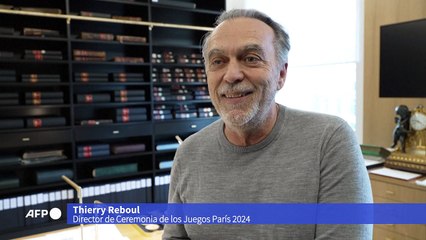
(193, 58)
(129, 95)
(201, 93)
(94, 122)
(42, 156)
(7, 55)
(115, 170)
(123, 59)
(40, 122)
(172, 93)
(9, 159)
(40, 54)
(7, 30)
(43, 78)
(52, 175)
(374, 155)
(179, 75)
(162, 112)
(93, 98)
(93, 150)
(90, 77)
(127, 77)
(122, 148)
(135, 114)
(10, 123)
(205, 112)
(8, 180)
(95, 14)
(88, 55)
(7, 75)
(130, 39)
(165, 57)
(9, 98)
(96, 36)
(185, 111)
(45, 97)
(40, 32)
(39, 9)
(128, 18)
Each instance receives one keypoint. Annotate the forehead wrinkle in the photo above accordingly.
(246, 48)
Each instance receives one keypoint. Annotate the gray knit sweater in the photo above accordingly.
(307, 158)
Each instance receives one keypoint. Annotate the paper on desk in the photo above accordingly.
(421, 182)
(395, 173)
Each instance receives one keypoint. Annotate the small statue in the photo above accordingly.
(402, 126)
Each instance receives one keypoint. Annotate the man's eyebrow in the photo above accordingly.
(252, 47)
(213, 52)
(249, 47)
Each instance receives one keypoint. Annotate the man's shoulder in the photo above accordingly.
(313, 118)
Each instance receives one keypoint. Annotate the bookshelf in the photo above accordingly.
(89, 85)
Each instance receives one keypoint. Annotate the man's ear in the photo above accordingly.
(283, 75)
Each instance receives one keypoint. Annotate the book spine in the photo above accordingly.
(166, 146)
(7, 102)
(130, 111)
(10, 182)
(93, 147)
(95, 14)
(92, 122)
(96, 36)
(115, 170)
(129, 93)
(30, 101)
(90, 154)
(162, 116)
(88, 53)
(131, 118)
(128, 148)
(6, 160)
(124, 38)
(129, 99)
(128, 59)
(40, 32)
(41, 154)
(93, 98)
(43, 10)
(44, 95)
(129, 18)
(11, 123)
(50, 176)
(46, 122)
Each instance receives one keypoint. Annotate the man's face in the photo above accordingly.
(242, 71)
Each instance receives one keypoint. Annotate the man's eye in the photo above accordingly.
(252, 59)
(216, 61)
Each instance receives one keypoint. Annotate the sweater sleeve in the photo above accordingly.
(174, 231)
(343, 179)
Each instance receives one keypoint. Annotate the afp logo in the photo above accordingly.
(54, 213)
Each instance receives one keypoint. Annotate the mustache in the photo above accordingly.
(235, 88)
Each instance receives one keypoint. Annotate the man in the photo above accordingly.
(259, 151)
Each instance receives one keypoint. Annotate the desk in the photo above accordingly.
(101, 232)
(392, 190)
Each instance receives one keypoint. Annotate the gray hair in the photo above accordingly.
(281, 42)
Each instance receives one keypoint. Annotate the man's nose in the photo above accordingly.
(233, 72)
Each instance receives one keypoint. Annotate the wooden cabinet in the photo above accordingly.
(389, 190)
(83, 65)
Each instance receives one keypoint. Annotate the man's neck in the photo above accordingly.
(255, 133)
